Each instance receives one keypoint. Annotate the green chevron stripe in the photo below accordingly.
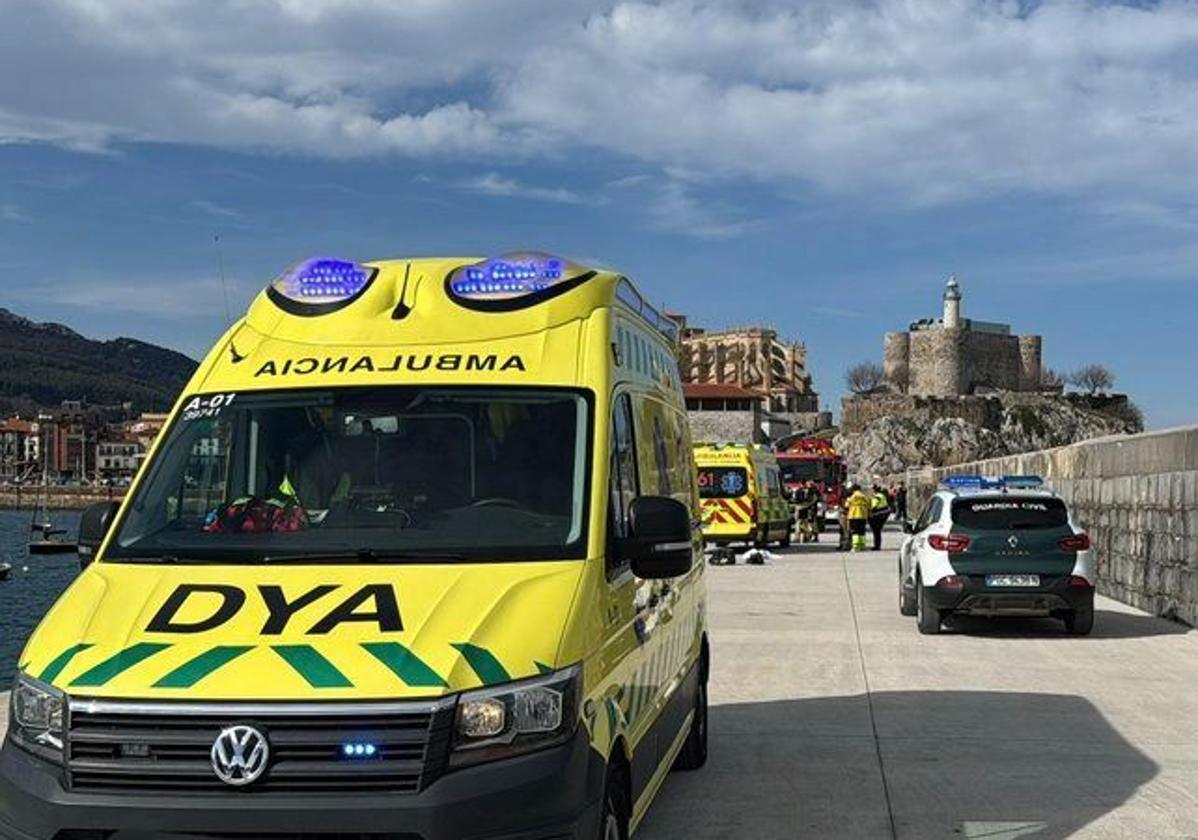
(117, 664)
(484, 663)
(404, 664)
(194, 670)
(543, 669)
(312, 666)
(51, 672)
(610, 705)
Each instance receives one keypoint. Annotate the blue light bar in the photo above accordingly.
(322, 281)
(511, 278)
(963, 482)
(1022, 481)
(981, 482)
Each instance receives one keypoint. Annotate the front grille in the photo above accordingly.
(139, 748)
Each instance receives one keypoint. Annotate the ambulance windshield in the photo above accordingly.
(396, 473)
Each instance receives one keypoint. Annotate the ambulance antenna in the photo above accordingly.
(224, 287)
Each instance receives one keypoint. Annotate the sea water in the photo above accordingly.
(33, 585)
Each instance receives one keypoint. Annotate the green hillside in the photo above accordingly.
(44, 364)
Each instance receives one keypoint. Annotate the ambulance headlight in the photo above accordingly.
(36, 717)
(319, 286)
(513, 281)
(502, 721)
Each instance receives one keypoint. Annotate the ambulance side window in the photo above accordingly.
(623, 472)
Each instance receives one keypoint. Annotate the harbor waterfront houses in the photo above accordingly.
(76, 444)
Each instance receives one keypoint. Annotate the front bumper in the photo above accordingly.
(554, 793)
(973, 597)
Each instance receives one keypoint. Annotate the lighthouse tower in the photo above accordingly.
(952, 304)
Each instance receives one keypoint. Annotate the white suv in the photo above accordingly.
(996, 546)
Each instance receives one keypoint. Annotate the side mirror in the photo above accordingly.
(659, 542)
(908, 527)
(93, 527)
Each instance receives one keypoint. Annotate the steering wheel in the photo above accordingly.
(499, 501)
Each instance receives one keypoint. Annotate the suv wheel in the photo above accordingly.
(907, 605)
(927, 617)
(1079, 622)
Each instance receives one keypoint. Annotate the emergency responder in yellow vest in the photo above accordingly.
(879, 512)
(858, 514)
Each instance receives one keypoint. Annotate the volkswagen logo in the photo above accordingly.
(240, 755)
(1013, 541)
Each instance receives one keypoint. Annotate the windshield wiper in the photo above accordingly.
(364, 555)
(165, 559)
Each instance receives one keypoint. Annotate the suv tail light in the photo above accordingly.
(952, 543)
(1077, 542)
(950, 582)
(1079, 582)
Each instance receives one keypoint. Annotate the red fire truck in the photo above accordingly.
(813, 459)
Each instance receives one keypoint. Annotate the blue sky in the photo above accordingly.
(820, 167)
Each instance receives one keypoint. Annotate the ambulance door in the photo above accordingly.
(628, 604)
(661, 473)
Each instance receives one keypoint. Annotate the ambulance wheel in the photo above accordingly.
(613, 823)
(694, 750)
(1079, 622)
(927, 617)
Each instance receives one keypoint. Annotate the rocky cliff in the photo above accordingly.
(922, 436)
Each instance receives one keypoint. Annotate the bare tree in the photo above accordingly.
(1051, 379)
(1092, 378)
(864, 378)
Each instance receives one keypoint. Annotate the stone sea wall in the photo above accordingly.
(1137, 498)
(60, 498)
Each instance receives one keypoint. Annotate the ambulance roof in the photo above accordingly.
(326, 306)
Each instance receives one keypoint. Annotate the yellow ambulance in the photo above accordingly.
(743, 500)
(414, 556)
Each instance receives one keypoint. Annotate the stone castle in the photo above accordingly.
(953, 356)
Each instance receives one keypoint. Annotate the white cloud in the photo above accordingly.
(673, 206)
(492, 183)
(170, 299)
(901, 100)
(215, 209)
(13, 213)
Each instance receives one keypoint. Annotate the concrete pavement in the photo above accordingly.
(833, 718)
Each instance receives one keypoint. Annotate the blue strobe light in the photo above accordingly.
(323, 280)
(511, 277)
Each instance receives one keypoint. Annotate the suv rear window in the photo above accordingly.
(722, 482)
(1009, 514)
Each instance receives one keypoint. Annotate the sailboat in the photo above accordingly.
(52, 540)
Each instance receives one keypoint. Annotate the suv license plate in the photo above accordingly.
(1012, 580)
